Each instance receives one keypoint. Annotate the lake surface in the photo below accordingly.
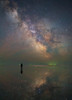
(36, 82)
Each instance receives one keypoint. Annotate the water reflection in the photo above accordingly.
(36, 83)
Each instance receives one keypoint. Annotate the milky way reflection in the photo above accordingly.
(36, 82)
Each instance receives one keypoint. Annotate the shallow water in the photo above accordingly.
(36, 82)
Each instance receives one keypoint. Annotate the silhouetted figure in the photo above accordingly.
(21, 68)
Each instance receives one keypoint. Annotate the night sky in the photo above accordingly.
(35, 31)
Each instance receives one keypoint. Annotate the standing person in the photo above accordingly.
(21, 68)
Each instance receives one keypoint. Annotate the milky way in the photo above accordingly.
(34, 33)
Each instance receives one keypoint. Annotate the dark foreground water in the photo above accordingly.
(36, 83)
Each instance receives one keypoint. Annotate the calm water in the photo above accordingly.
(36, 83)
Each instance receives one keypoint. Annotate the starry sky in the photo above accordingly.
(35, 31)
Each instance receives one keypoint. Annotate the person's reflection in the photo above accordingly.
(21, 68)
